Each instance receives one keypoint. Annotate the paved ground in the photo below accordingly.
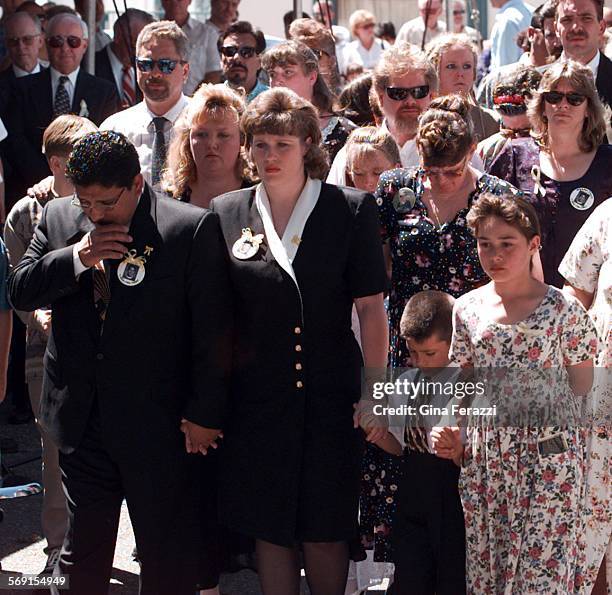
(21, 544)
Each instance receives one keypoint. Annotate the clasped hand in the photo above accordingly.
(199, 439)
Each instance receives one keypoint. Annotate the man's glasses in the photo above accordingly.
(401, 93)
(57, 41)
(229, 51)
(458, 12)
(105, 205)
(13, 42)
(368, 26)
(164, 65)
(555, 97)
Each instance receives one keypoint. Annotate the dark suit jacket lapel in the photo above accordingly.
(145, 234)
(603, 82)
(42, 96)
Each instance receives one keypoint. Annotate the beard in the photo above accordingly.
(407, 122)
(160, 93)
(237, 76)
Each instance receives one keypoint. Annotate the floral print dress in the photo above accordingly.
(588, 266)
(522, 506)
(424, 256)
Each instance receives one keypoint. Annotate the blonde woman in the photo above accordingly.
(206, 155)
(366, 48)
(454, 57)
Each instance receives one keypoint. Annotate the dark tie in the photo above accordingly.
(61, 105)
(129, 96)
(101, 290)
(159, 149)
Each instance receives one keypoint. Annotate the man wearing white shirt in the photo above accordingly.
(412, 31)
(513, 16)
(205, 64)
(162, 55)
(37, 99)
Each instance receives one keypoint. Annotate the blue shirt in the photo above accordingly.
(4, 303)
(257, 89)
(512, 18)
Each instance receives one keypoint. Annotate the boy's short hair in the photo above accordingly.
(63, 133)
(428, 313)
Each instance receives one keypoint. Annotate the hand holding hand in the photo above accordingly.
(43, 319)
(373, 425)
(106, 241)
(447, 443)
(199, 439)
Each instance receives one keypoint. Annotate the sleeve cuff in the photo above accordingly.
(79, 267)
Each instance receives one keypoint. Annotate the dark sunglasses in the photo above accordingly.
(164, 65)
(400, 93)
(457, 12)
(13, 42)
(229, 51)
(57, 41)
(555, 97)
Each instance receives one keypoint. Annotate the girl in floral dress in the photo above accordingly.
(522, 481)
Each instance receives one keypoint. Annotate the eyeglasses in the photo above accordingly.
(555, 97)
(368, 26)
(107, 205)
(446, 172)
(400, 93)
(458, 12)
(57, 41)
(13, 42)
(164, 65)
(229, 51)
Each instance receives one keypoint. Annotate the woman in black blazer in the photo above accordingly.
(302, 252)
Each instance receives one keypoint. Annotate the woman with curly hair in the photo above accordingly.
(563, 167)
(301, 253)
(206, 156)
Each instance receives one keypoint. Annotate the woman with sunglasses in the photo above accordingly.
(455, 58)
(294, 65)
(564, 168)
(206, 156)
(367, 48)
(426, 239)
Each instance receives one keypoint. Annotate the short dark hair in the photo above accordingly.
(106, 158)
(289, 17)
(428, 313)
(244, 28)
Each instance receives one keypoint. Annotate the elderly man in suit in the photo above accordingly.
(61, 89)
(115, 62)
(139, 352)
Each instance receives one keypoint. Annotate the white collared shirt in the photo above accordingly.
(117, 68)
(593, 64)
(203, 56)
(356, 53)
(70, 85)
(412, 32)
(19, 72)
(136, 123)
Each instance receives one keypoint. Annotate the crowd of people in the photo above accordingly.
(223, 248)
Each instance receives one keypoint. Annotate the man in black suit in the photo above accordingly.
(63, 88)
(116, 62)
(23, 38)
(139, 352)
(581, 26)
